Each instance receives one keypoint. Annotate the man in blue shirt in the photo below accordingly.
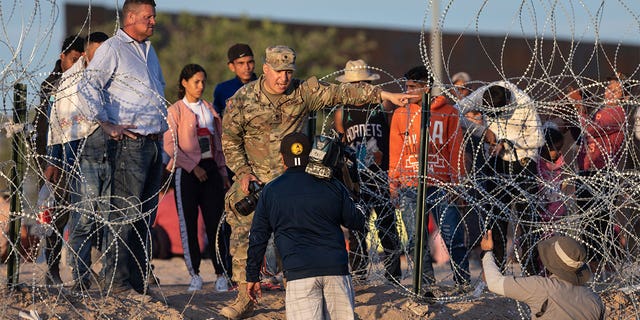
(241, 63)
(305, 214)
(123, 90)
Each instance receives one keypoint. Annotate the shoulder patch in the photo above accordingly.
(312, 84)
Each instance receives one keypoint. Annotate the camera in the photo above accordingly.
(248, 204)
(328, 156)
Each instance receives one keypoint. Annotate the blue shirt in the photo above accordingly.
(225, 90)
(124, 85)
(305, 214)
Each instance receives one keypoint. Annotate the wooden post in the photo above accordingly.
(18, 150)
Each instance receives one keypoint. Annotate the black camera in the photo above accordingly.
(329, 155)
(248, 204)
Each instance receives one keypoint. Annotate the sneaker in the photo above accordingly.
(222, 285)
(196, 283)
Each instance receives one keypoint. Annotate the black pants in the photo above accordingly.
(375, 194)
(208, 196)
(596, 202)
(513, 188)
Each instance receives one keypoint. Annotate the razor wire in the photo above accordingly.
(612, 189)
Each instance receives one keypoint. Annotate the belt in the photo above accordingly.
(151, 136)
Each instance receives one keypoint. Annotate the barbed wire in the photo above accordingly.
(611, 189)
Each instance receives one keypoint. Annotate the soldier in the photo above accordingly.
(256, 119)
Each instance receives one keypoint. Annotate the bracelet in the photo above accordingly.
(483, 253)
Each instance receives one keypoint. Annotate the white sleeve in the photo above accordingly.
(492, 274)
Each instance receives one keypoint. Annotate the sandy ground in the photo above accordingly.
(374, 300)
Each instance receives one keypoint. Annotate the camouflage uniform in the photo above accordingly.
(253, 127)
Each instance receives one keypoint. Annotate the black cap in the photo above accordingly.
(295, 148)
(239, 50)
(75, 43)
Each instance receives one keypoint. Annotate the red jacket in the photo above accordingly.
(446, 153)
(183, 125)
(602, 138)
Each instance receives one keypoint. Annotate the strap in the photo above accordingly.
(543, 309)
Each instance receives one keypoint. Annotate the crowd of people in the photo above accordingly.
(109, 137)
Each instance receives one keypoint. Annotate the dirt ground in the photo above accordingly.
(374, 300)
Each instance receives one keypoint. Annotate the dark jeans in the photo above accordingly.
(596, 202)
(137, 170)
(447, 217)
(375, 194)
(208, 196)
(94, 191)
(66, 193)
(513, 188)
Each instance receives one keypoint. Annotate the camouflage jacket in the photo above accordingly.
(253, 126)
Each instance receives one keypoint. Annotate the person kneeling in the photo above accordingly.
(563, 295)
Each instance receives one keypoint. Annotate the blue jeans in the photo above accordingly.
(94, 191)
(137, 170)
(448, 219)
(64, 157)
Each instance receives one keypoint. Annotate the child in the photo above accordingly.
(555, 190)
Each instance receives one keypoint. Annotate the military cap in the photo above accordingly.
(280, 58)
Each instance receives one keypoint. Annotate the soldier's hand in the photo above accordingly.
(399, 99)
(244, 182)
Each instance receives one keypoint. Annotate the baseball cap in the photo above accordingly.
(280, 58)
(239, 50)
(295, 148)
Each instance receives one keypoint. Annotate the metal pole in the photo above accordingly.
(436, 49)
(423, 166)
(18, 151)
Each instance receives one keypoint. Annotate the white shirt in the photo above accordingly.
(203, 115)
(67, 122)
(520, 125)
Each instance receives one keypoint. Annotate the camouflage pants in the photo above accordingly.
(240, 227)
(239, 242)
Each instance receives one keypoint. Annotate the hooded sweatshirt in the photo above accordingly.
(446, 154)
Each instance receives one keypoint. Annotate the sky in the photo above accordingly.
(32, 30)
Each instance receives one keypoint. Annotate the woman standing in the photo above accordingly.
(194, 145)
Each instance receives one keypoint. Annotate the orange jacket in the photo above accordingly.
(446, 153)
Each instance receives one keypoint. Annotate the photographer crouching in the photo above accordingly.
(305, 212)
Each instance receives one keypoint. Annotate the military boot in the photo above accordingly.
(241, 308)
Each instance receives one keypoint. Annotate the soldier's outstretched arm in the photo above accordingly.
(399, 99)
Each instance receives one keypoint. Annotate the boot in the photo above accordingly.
(241, 308)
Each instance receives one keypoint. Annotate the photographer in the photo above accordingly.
(305, 213)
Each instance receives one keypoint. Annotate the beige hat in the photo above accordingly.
(460, 76)
(565, 257)
(357, 70)
(280, 58)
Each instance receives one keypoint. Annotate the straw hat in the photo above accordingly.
(565, 257)
(356, 70)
